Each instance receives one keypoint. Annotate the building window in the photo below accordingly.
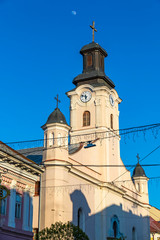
(138, 187)
(101, 62)
(45, 140)
(81, 219)
(51, 139)
(3, 203)
(115, 228)
(133, 233)
(89, 60)
(37, 188)
(66, 140)
(86, 118)
(59, 139)
(18, 205)
(142, 188)
(111, 121)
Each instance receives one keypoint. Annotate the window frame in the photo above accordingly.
(86, 119)
(111, 121)
(81, 219)
(3, 205)
(89, 60)
(18, 206)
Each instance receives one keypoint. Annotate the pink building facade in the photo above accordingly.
(20, 176)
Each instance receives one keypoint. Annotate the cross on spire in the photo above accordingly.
(138, 157)
(57, 99)
(93, 30)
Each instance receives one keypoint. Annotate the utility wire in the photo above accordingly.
(131, 130)
(139, 161)
(131, 166)
(61, 146)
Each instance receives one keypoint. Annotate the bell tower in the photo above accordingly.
(94, 101)
(94, 113)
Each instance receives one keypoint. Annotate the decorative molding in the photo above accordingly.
(21, 185)
(20, 171)
(6, 180)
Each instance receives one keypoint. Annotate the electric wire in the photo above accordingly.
(131, 130)
(155, 149)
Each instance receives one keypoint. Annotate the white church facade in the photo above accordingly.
(82, 182)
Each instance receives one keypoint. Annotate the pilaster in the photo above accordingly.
(26, 209)
(12, 205)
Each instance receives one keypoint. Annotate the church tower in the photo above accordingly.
(94, 104)
(140, 181)
(55, 154)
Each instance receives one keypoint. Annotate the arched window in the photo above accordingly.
(86, 118)
(51, 139)
(45, 140)
(115, 228)
(142, 188)
(81, 219)
(111, 121)
(133, 233)
(138, 187)
(66, 140)
(59, 139)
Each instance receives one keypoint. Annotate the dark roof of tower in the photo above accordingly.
(56, 117)
(93, 46)
(93, 69)
(138, 171)
(94, 75)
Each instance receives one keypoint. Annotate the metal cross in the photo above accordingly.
(138, 157)
(57, 99)
(93, 30)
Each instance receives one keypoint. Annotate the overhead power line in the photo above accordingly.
(155, 149)
(120, 132)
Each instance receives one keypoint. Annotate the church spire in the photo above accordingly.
(93, 64)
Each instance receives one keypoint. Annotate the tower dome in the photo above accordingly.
(138, 171)
(56, 117)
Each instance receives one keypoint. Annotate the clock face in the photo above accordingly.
(111, 99)
(86, 96)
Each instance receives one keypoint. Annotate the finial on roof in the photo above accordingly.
(57, 99)
(93, 30)
(138, 157)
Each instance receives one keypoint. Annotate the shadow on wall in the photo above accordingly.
(111, 223)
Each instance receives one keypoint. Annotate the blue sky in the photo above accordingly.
(39, 57)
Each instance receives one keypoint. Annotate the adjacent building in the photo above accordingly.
(20, 175)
